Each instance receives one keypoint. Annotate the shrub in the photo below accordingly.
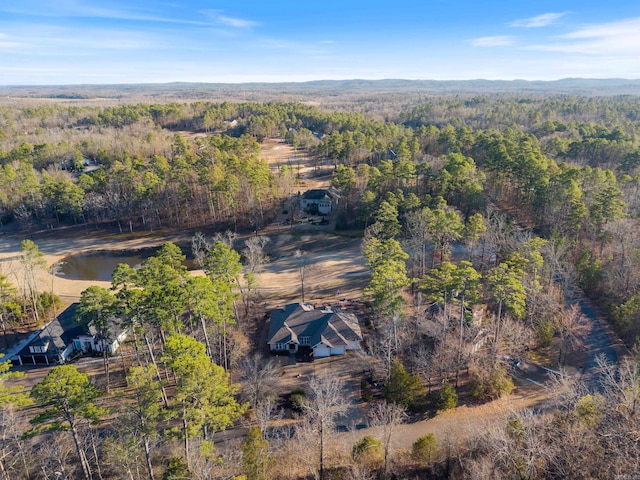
(589, 271)
(48, 302)
(425, 449)
(515, 430)
(403, 388)
(255, 455)
(500, 382)
(590, 408)
(491, 385)
(367, 450)
(476, 386)
(447, 397)
(177, 470)
(544, 333)
(297, 399)
(365, 391)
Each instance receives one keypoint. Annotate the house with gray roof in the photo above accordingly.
(322, 331)
(316, 202)
(48, 347)
(64, 338)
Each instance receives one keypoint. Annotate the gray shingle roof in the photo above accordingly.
(51, 334)
(60, 332)
(316, 194)
(324, 324)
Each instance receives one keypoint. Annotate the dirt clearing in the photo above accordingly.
(333, 265)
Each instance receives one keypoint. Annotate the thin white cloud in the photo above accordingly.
(234, 22)
(22, 69)
(60, 9)
(50, 40)
(538, 21)
(9, 43)
(494, 41)
(620, 28)
(610, 39)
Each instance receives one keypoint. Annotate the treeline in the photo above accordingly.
(587, 212)
(44, 150)
(221, 183)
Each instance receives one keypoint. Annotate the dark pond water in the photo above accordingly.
(99, 265)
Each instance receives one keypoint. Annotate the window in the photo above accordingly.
(305, 340)
(278, 346)
(38, 349)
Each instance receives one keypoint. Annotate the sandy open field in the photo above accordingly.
(56, 249)
(333, 265)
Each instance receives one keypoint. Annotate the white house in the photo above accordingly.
(322, 331)
(92, 342)
(64, 338)
(316, 202)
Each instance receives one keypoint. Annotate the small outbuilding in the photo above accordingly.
(323, 331)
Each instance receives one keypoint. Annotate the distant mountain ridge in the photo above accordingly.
(182, 90)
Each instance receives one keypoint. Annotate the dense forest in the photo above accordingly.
(540, 190)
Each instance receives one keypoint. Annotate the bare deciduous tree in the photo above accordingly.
(570, 325)
(517, 337)
(389, 417)
(13, 454)
(53, 454)
(254, 252)
(325, 401)
(302, 267)
(265, 412)
(257, 377)
(200, 247)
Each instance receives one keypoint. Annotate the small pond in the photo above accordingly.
(99, 265)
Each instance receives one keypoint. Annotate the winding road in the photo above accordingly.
(598, 343)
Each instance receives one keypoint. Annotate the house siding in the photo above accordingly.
(316, 200)
(337, 350)
(321, 351)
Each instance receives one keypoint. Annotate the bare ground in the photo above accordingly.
(56, 249)
(449, 427)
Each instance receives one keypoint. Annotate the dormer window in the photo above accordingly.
(39, 348)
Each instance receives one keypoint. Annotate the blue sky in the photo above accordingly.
(156, 41)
